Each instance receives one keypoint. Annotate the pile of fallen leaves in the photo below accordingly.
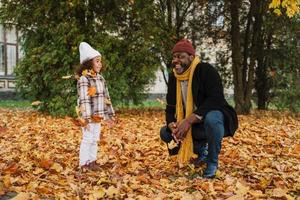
(39, 160)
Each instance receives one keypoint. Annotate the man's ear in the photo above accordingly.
(192, 57)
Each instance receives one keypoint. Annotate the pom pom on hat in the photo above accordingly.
(87, 52)
(184, 45)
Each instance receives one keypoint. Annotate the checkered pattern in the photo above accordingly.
(94, 105)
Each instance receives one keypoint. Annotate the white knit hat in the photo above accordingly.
(87, 52)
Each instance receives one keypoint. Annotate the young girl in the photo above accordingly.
(93, 102)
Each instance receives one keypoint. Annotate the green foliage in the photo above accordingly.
(288, 92)
(51, 33)
(286, 88)
(284, 60)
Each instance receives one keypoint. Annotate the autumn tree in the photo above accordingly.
(289, 7)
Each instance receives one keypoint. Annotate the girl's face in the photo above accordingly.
(96, 63)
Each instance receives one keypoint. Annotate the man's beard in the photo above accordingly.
(184, 66)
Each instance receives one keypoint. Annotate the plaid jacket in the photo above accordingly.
(96, 104)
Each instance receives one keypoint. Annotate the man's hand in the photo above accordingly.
(185, 126)
(173, 126)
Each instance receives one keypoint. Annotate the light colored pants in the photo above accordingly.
(89, 144)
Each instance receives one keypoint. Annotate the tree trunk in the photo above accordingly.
(257, 29)
(262, 85)
(236, 56)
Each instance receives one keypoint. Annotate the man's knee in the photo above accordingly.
(165, 135)
(214, 118)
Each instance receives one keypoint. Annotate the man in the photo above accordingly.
(196, 105)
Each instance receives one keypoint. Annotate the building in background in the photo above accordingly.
(10, 53)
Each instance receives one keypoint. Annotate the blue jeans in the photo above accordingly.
(210, 132)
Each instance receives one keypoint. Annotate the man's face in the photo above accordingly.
(181, 61)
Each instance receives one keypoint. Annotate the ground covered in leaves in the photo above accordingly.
(39, 160)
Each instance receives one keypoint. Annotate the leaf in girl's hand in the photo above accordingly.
(91, 91)
(97, 118)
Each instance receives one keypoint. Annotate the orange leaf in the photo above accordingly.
(91, 91)
(2, 129)
(79, 122)
(11, 169)
(97, 118)
(46, 163)
(7, 181)
(44, 190)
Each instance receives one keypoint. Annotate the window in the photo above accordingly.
(9, 50)
(216, 11)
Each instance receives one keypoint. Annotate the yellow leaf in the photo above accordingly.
(32, 185)
(7, 181)
(98, 194)
(278, 192)
(22, 196)
(67, 77)
(112, 191)
(236, 197)
(290, 12)
(274, 4)
(107, 101)
(57, 167)
(257, 193)
(277, 12)
(77, 110)
(84, 72)
(264, 183)
(160, 101)
(241, 188)
(36, 103)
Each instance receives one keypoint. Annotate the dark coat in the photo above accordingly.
(208, 95)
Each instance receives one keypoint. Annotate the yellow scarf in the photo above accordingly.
(186, 149)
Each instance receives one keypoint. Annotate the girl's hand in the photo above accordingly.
(87, 127)
(110, 122)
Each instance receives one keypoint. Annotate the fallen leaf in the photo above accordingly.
(46, 163)
(66, 77)
(57, 167)
(22, 196)
(111, 192)
(11, 169)
(7, 181)
(36, 103)
(236, 197)
(278, 192)
(98, 194)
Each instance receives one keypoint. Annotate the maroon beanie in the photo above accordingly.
(184, 45)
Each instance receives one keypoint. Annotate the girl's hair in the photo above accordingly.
(86, 65)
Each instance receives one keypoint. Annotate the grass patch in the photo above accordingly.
(23, 104)
(15, 104)
(146, 104)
